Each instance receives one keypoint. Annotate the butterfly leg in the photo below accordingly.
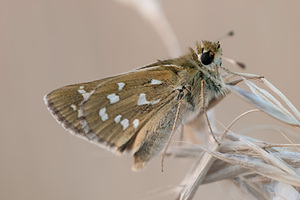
(170, 137)
(204, 111)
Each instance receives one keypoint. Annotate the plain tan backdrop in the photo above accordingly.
(50, 43)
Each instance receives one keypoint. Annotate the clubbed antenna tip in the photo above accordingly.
(230, 33)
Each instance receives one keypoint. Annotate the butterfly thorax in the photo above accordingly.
(191, 71)
(213, 88)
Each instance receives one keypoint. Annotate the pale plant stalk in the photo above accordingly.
(263, 170)
(152, 11)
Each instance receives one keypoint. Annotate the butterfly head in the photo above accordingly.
(209, 54)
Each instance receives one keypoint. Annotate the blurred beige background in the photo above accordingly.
(50, 43)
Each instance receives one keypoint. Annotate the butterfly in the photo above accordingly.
(137, 111)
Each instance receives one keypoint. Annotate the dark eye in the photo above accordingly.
(207, 58)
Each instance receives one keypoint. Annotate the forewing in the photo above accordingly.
(113, 112)
(64, 103)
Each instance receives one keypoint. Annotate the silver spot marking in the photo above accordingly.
(85, 95)
(102, 114)
(73, 107)
(118, 118)
(121, 85)
(86, 129)
(84, 126)
(155, 82)
(125, 123)
(80, 113)
(113, 98)
(142, 100)
(83, 123)
(91, 136)
(155, 101)
(135, 123)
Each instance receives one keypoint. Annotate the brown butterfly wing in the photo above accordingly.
(63, 103)
(138, 106)
(139, 98)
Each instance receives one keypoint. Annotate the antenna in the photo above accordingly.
(229, 34)
(231, 61)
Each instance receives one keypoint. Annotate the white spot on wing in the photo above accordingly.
(73, 107)
(142, 100)
(125, 123)
(86, 129)
(118, 118)
(80, 113)
(113, 98)
(85, 95)
(155, 82)
(102, 114)
(83, 123)
(135, 123)
(155, 101)
(105, 117)
(121, 85)
(84, 126)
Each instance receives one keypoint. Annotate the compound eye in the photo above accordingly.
(207, 57)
